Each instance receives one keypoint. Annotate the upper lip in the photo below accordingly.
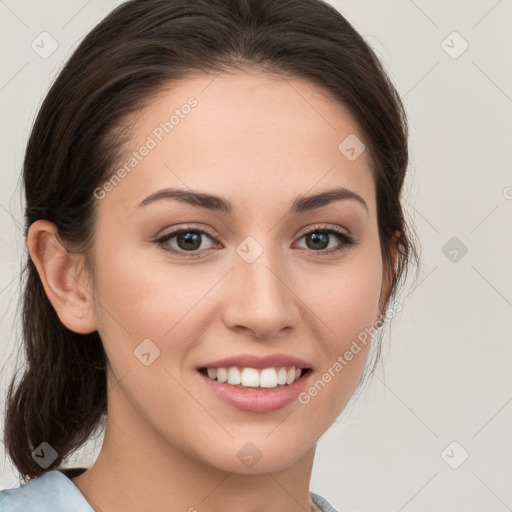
(257, 362)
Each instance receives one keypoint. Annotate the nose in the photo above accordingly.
(261, 299)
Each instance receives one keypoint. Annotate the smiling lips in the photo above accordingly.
(252, 371)
(257, 384)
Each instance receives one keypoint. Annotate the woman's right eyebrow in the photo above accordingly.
(301, 204)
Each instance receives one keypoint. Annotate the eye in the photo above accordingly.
(318, 240)
(188, 240)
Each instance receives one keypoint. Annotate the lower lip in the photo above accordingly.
(255, 400)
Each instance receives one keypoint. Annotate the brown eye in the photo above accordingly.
(318, 240)
(187, 240)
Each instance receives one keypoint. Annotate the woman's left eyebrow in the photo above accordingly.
(301, 204)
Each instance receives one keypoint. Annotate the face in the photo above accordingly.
(255, 277)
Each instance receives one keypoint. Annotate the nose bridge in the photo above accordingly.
(259, 267)
(261, 299)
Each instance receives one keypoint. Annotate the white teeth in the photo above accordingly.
(222, 374)
(234, 375)
(251, 377)
(281, 376)
(268, 378)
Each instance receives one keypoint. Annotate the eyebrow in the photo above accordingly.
(215, 203)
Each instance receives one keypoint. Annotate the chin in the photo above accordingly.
(258, 456)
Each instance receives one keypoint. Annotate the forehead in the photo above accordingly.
(259, 135)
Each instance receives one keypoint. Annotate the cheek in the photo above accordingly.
(345, 297)
(345, 304)
(141, 296)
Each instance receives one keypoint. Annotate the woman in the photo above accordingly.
(214, 226)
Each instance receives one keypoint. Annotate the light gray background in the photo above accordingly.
(448, 368)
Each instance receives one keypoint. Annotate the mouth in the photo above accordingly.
(255, 390)
(264, 379)
(255, 382)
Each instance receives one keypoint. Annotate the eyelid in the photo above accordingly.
(325, 227)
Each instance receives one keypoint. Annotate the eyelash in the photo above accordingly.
(347, 240)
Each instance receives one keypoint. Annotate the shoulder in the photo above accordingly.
(322, 503)
(55, 492)
(51, 492)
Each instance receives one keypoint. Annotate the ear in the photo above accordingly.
(60, 272)
(389, 273)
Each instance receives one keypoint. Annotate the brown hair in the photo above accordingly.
(79, 135)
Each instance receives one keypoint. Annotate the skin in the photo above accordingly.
(259, 141)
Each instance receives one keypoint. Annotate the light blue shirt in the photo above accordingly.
(55, 492)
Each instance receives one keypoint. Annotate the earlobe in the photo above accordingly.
(60, 274)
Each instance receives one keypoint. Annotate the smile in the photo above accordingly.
(268, 396)
(266, 378)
